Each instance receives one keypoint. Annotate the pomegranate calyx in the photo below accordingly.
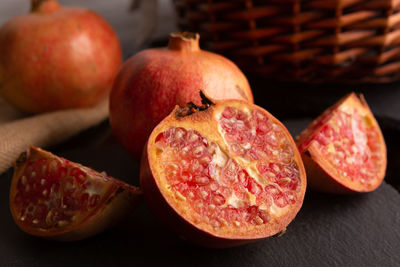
(191, 107)
(184, 41)
(44, 6)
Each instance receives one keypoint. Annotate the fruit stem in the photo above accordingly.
(184, 41)
(44, 6)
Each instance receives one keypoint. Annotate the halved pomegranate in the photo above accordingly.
(223, 174)
(58, 199)
(343, 149)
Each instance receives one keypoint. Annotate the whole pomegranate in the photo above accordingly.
(343, 149)
(153, 81)
(54, 198)
(222, 174)
(57, 58)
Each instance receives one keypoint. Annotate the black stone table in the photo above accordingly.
(330, 230)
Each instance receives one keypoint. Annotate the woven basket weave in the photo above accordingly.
(301, 40)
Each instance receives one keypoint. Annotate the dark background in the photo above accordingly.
(330, 230)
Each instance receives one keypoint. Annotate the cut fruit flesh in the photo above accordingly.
(234, 173)
(347, 144)
(56, 198)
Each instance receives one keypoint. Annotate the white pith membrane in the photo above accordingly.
(350, 141)
(53, 193)
(237, 184)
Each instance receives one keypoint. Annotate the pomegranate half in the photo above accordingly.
(57, 57)
(343, 149)
(153, 81)
(54, 198)
(222, 174)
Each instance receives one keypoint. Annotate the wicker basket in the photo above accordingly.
(301, 40)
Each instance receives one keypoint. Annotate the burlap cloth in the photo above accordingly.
(18, 130)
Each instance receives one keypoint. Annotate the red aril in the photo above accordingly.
(57, 57)
(343, 149)
(54, 198)
(222, 174)
(153, 81)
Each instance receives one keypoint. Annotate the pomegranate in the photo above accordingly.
(54, 198)
(57, 58)
(153, 81)
(343, 149)
(222, 174)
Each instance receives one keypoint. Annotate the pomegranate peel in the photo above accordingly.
(222, 174)
(343, 149)
(54, 198)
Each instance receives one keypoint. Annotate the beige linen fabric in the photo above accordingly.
(18, 130)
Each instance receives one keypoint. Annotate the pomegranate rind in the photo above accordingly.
(321, 174)
(175, 215)
(119, 200)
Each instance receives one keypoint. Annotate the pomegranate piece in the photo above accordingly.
(54, 198)
(343, 149)
(152, 82)
(223, 174)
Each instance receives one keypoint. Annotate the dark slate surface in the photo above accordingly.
(330, 230)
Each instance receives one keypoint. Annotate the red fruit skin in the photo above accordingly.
(57, 58)
(319, 180)
(170, 219)
(152, 82)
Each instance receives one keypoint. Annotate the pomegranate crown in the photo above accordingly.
(191, 107)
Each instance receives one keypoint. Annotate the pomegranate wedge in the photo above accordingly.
(223, 174)
(54, 198)
(343, 149)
